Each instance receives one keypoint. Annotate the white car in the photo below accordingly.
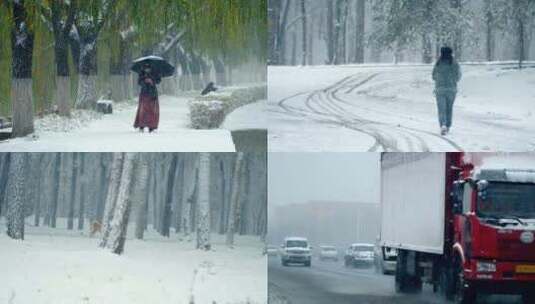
(272, 250)
(328, 253)
(295, 250)
(385, 259)
(359, 254)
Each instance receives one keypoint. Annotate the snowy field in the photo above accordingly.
(115, 133)
(392, 108)
(57, 266)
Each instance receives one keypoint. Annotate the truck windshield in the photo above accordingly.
(294, 243)
(508, 200)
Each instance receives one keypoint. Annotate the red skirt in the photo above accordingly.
(148, 112)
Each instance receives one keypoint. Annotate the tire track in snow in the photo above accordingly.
(326, 106)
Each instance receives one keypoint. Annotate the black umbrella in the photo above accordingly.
(158, 65)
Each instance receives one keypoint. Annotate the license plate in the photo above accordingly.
(525, 269)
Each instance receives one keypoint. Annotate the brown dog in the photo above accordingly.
(95, 227)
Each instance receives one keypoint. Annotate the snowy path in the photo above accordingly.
(353, 108)
(115, 133)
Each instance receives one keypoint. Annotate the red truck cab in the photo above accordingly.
(493, 246)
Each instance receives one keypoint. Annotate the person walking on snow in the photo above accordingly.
(148, 110)
(446, 74)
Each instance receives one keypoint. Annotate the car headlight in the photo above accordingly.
(486, 267)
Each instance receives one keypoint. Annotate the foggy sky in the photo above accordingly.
(303, 177)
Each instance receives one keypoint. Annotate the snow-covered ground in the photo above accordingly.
(392, 108)
(53, 266)
(111, 133)
(250, 116)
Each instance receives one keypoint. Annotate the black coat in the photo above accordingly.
(147, 88)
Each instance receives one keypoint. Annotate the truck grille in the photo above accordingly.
(514, 250)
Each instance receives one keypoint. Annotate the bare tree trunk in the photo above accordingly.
(111, 197)
(70, 220)
(426, 49)
(55, 197)
(234, 197)
(426, 39)
(521, 41)
(140, 196)
(310, 50)
(489, 19)
(119, 224)
(38, 181)
(4, 174)
(274, 14)
(294, 49)
(304, 33)
(15, 197)
(330, 33)
(458, 34)
(359, 31)
(83, 188)
(281, 36)
(169, 197)
(203, 216)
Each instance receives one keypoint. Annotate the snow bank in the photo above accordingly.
(57, 123)
(61, 266)
(208, 112)
(251, 116)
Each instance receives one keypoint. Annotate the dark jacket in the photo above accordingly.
(446, 75)
(147, 88)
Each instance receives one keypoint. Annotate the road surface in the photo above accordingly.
(382, 108)
(115, 133)
(331, 282)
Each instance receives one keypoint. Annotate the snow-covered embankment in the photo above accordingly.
(209, 112)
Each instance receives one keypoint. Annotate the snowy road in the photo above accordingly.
(389, 108)
(115, 132)
(331, 282)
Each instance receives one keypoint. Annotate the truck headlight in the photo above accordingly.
(485, 267)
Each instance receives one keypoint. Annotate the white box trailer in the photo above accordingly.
(412, 201)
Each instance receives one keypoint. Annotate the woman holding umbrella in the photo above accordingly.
(151, 69)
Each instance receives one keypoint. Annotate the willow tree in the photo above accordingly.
(228, 33)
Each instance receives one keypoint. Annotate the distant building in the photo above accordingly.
(325, 222)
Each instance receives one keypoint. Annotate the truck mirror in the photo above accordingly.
(457, 197)
(482, 186)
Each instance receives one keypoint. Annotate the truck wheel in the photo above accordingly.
(346, 262)
(406, 283)
(284, 263)
(307, 264)
(464, 293)
(446, 282)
